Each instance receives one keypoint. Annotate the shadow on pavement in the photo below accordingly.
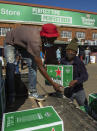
(21, 93)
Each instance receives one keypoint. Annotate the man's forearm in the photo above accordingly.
(44, 73)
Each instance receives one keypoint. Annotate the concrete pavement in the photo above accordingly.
(90, 86)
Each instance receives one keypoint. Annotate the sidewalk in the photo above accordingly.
(90, 86)
(74, 119)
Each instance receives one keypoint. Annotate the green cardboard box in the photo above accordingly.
(93, 102)
(61, 74)
(38, 119)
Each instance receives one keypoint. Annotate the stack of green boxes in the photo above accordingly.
(38, 119)
(93, 104)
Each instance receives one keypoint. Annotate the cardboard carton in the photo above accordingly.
(38, 119)
(61, 74)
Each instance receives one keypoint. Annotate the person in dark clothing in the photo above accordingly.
(80, 75)
(48, 46)
(81, 54)
(87, 55)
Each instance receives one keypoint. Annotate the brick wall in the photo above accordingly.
(88, 32)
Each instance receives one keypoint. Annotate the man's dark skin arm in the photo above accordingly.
(56, 86)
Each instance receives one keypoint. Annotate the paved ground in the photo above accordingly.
(74, 120)
(91, 85)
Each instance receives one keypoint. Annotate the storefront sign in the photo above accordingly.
(39, 119)
(61, 74)
(38, 15)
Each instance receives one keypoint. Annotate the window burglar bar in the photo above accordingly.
(3, 31)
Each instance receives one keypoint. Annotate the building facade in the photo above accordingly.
(70, 23)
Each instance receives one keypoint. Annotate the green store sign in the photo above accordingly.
(38, 15)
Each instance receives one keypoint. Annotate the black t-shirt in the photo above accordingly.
(50, 55)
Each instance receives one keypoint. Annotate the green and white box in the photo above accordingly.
(61, 74)
(38, 119)
(93, 102)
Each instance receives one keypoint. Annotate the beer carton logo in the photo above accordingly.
(88, 20)
(47, 114)
(67, 70)
(88, 15)
(53, 129)
(58, 72)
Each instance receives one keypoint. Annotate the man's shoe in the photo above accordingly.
(36, 96)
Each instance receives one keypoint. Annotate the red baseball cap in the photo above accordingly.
(49, 30)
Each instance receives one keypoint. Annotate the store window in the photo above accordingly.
(3, 31)
(94, 36)
(80, 35)
(66, 34)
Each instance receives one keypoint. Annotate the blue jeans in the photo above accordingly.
(10, 56)
(86, 59)
(80, 97)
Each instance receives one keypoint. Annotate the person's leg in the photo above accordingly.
(82, 100)
(17, 68)
(9, 52)
(87, 59)
(21, 63)
(32, 75)
(72, 97)
(81, 57)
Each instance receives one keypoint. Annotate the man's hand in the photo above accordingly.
(58, 87)
(72, 83)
